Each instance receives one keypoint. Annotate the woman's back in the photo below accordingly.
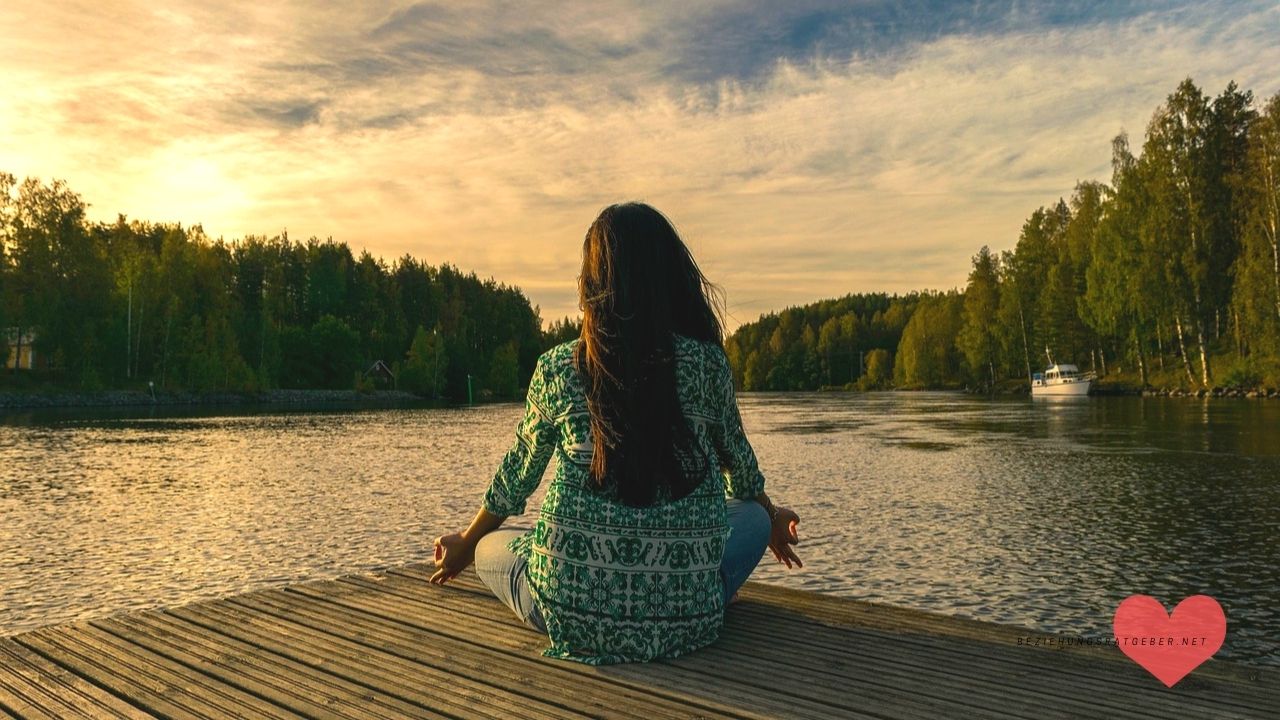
(636, 547)
(617, 583)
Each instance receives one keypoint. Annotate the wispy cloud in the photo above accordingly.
(805, 149)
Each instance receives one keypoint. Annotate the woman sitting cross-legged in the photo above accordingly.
(657, 512)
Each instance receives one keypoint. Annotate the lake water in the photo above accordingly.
(1045, 515)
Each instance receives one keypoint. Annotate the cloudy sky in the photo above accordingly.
(804, 149)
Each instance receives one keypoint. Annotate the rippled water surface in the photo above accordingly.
(1045, 515)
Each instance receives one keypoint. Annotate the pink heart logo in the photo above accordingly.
(1169, 645)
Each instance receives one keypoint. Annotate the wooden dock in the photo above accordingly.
(391, 645)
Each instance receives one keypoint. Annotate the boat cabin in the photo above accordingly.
(1062, 372)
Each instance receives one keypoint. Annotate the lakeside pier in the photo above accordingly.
(388, 644)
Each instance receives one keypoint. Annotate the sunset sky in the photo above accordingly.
(804, 149)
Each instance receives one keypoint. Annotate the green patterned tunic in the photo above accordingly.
(616, 583)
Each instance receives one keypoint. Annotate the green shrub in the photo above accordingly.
(1242, 372)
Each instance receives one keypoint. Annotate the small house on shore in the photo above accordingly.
(381, 375)
(19, 349)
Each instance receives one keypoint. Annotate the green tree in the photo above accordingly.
(1087, 207)
(837, 346)
(60, 281)
(336, 348)
(7, 215)
(297, 353)
(1175, 156)
(879, 370)
(1122, 293)
(561, 331)
(1060, 332)
(1257, 298)
(425, 365)
(755, 372)
(1227, 196)
(927, 356)
(209, 358)
(977, 337)
(329, 270)
(504, 378)
(1062, 339)
(1014, 324)
(177, 269)
(1025, 274)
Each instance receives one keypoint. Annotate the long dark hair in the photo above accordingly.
(639, 285)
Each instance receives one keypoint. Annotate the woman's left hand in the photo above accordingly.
(783, 535)
(453, 554)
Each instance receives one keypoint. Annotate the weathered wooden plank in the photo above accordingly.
(1250, 686)
(1054, 673)
(848, 612)
(153, 695)
(909, 623)
(412, 642)
(14, 704)
(978, 669)
(238, 669)
(652, 678)
(190, 681)
(387, 644)
(479, 653)
(523, 643)
(84, 697)
(927, 650)
(275, 669)
(428, 691)
(988, 682)
(20, 698)
(830, 611)
(414, 700)
(463, 694)
(879, 681)
(729, 667)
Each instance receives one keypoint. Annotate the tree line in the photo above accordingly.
(828, 343)
(124, 304)
(1168, 275)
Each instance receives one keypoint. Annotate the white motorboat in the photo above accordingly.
(1060, 379)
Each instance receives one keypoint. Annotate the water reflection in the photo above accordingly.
(1038, 514)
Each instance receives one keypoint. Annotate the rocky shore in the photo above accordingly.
(1134, 390)
(126, 398)
(1234, 392)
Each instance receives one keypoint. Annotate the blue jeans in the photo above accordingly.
(503, 570)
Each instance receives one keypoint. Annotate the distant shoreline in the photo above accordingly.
(1217, 392)
(1127, 390)
(1101, 390)
(140, 398)
(12, 401)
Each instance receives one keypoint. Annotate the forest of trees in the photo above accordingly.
(124, 304)
(1167, 276)
(826, 343)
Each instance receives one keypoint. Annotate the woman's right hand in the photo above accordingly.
(454, 552)
(783, 536)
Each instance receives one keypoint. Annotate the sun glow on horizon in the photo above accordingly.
(797, 169)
